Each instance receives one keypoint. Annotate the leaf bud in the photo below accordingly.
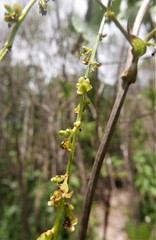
(139, 46)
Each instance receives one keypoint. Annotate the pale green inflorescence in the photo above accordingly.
(83, 86)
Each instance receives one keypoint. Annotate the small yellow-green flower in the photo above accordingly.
(55, 198)
(13, 13)
(77, 109)
(70, 224)
(69, 221)
(83, 85)
(77, 124)
(42, 6)
(69, 206)
(59, 178)
(66, 144)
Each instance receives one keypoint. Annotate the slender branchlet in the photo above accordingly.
(138, 45)
(7, 46)
(109, 4)
(150, 35)
(112, 16)
(100, 35)
(58, 220)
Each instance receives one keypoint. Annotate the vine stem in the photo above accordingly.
(58, 220)
(79, 116)
(71, 155)
(140, 16)
(97, 41)
(114, 19)
(150, 35)
(109, 4)
(9, 42)
(123, 88)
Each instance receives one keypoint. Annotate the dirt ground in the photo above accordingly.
(117, 217)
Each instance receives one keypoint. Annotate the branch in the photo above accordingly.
(151, 35)
(111, 15)
(109, 3)
(124, 86)
(140, 16)
(7, 46)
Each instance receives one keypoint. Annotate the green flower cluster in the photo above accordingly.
(67, 142)
(69, 221)
(85, 54)
(83, 86)
(13, 13)
(63, 194)
(43, 6)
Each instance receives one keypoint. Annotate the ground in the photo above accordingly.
(117, 217)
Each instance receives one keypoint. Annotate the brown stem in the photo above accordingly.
(123, 88)
(107, 200)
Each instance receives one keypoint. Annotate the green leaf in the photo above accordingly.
(116, 6)
(96, 14)
(142, 231)
(88, 32)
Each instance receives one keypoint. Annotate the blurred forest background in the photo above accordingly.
(37, 99)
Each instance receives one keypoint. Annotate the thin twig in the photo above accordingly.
(112, 16)
(7, 46)
(124, 86)
(140, 16)
(151, 34)
(109, 3)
